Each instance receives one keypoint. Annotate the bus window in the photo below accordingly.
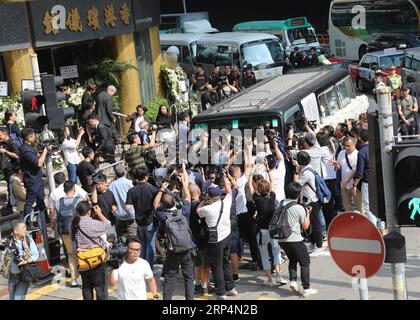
(214, 54)
(415, 65)
(263, 54)
(325, 111)
(343, 93)
(186, 57)
(303, 35)
(332, 100)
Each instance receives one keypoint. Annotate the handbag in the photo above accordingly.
(88, 259)
(29, 272)
(212, 232)
(7, 261)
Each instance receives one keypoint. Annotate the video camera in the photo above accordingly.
(96, 178)
(53, 144)
(221, 80)
(117, 253)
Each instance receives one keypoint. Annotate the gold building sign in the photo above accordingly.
(74, 22)
(109, 14)
(93, 18)
(125, 14)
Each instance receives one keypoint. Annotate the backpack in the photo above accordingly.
(65, 215)
(321, 189)
(14, 137)
(279, 227)
(178, 232)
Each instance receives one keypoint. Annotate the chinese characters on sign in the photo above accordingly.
(74, 21)
(110, 17)
(48, 25)
(93, 18)
(125, 14)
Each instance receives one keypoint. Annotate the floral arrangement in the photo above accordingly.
(358, 105)
(15, 105)
(76, 96)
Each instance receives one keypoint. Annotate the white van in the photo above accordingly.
(263, 51)
(187, 47)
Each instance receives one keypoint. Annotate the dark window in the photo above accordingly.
(380, 15)
(3, 76)
(186, 57)
(365, 63)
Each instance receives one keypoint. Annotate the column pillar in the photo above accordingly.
(18, 67)
(156, 58)
(130, 93)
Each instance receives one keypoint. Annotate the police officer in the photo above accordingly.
(32, 172)
(395, 82)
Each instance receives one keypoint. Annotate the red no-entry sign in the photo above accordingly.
(356, 245)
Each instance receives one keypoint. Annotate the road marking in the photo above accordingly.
(267, 299)
(39, 293)
(205, 297)
(356, 245)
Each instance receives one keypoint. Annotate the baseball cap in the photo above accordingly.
(214, 192)
(393, 67)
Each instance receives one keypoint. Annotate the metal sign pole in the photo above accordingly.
(386, 129)
(363, 289)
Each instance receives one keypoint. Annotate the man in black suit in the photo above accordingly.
(104, 111)
(105, 146)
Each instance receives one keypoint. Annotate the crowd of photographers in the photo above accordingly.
(193, 217)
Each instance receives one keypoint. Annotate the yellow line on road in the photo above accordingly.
(39, 293)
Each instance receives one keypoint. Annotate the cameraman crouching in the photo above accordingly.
(32, 172)
(130, 277)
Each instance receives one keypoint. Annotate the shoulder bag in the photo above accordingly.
(88, 259)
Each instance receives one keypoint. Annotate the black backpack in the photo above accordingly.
(279, 226)
(178, 232)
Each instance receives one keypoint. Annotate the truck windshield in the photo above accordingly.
(263, 55)
(302, 35)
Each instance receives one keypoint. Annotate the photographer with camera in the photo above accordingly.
(141, 197)
(135, 155)
(20, 251)
(32, 172)
(131, 275)
(104, 142)
(87, 233)
(86, 169)
(209, 97)
(9, 159)
(104, 198)
(174, 224)
(217, 217)
(298, 218)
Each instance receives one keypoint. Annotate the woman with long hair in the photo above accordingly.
(71, 155)
(165, 124)
(10, 119)
(329, 174)
(87, 233)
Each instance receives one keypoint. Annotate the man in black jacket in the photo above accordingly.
(32, 170)
(104, 106)
(104, 111)
(105, 146)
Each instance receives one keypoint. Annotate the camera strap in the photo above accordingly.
(84, 233)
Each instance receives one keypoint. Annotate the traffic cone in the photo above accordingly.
(43, 259)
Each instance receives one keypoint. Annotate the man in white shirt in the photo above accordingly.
(130, 277)
(59, 193)
(218, 253)
(347, 163)
(306, 178)
(245, 220)
(277, 173)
